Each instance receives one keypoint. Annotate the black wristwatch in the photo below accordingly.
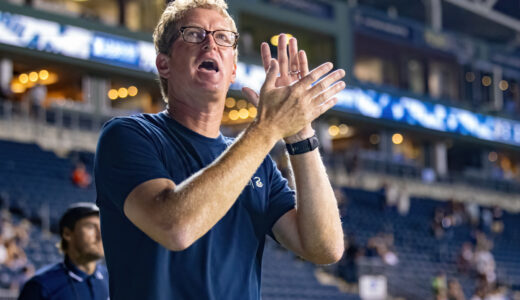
(303, 146)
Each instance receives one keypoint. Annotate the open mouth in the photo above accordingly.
(209, 65)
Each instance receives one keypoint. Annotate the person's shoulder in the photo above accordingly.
(137, 123)
(133, 120)
(49, 273)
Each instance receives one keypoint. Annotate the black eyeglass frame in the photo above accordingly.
(206, 33)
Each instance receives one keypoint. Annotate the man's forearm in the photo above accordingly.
(318, 218)
(199, 202)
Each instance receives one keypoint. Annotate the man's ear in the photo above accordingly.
(67, 233)
(161, 62)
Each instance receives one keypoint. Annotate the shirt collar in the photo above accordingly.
(75, 273)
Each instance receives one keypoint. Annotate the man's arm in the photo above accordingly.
(177, 215)
(313, 229)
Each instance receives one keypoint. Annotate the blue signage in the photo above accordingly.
(438, 117)
(71, 41)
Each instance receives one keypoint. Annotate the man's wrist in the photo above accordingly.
(304, 146)
(300, 136)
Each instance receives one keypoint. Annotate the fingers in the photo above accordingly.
(321, 109)
(314, 75)
(324, 84)
(251, 96)
(272, 74)
(282, 55)
(265, 52)
(325, 96)
(293, 57)
(303, 63)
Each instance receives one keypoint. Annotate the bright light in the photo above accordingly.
(233, 115)
(505, 163)
(112, 94)
(44, 74)
(503, 85)
(492, 156)
(122, 92)
(253, 112)
(17, 87)
(486, 81)
(333, 130)
(343, 129)
(24, 78)
(230, 102)
(374, 139)
(241, 104)
(274, 38)
(33, 76)
(397, 138)
(243, 113)
(132, 91)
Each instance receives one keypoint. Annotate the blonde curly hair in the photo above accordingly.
(167, 29)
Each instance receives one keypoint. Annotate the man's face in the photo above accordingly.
(188, 72)
(85, 239)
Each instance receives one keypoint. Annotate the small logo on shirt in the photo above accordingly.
(256, 181)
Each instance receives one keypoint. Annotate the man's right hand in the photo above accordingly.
(284, 111)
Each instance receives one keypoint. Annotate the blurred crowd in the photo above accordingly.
(15, 268)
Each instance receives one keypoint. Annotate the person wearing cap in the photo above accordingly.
(79, 276)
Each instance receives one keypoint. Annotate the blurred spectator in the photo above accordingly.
(455, 290)
(389, 196)
(348, 265)
(382, 246)
(437, 223)
(473, 212)
(16, 258)
(486, 220)
(439, 286)
(36, 96)
(485, 264)
(403, 204)
(79, 276)
(21, 278)
(80, 176)
(498, 225)
(465, 258)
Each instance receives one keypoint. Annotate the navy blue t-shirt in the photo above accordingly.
(64, 281)
(226, 262)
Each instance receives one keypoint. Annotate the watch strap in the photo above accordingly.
(304, 146)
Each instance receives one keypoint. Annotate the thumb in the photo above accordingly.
(272, 74)
(251, 96)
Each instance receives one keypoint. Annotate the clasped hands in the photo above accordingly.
(288, 102)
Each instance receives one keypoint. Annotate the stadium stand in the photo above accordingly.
(413, 62)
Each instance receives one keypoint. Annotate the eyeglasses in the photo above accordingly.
(197, 35)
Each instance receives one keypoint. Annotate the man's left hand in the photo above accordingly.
(292, 68)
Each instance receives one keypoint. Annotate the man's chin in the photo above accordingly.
(94, 255)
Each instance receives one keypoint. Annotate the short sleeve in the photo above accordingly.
(126, 156)
(281, 196)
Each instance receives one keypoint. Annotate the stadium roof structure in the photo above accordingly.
(497, 21)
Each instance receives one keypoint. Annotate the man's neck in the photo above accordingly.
(87, 266)
(204, 121)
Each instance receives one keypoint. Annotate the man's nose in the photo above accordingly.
(209, 42)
